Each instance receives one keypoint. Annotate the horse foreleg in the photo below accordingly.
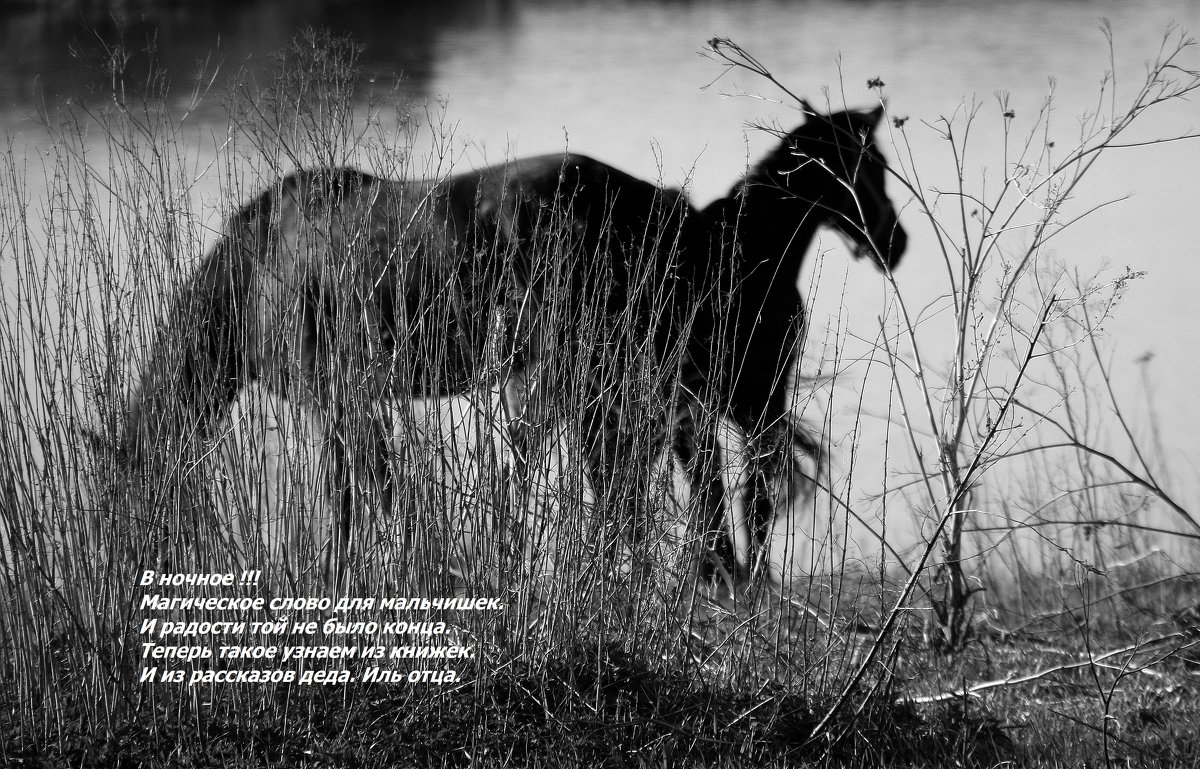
(733, 460)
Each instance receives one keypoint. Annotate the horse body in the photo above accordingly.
(324, 275)
(343, 289)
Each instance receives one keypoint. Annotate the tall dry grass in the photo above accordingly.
(597, 573)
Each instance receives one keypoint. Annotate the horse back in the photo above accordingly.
(588, 236)
(333, 273)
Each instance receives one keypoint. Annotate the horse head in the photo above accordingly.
(144, 481)
(832, 163)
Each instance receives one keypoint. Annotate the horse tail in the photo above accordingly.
(802, 443)
(201, 354)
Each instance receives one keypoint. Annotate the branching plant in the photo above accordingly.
(1015, 323)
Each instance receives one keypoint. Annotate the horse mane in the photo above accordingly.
(856, 125)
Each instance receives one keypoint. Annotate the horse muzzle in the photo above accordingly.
(886, 246)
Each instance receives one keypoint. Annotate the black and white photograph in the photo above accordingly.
(599, 383)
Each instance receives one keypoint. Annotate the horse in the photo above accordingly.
(341, 289)
(826, 172)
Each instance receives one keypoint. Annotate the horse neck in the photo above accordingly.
(765, 233)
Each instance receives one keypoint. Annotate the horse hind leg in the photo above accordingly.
(360, 491)
(452, 459)
(516, 422)
(560, 500)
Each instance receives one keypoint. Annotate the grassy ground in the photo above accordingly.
(607, 709)
(740, 696)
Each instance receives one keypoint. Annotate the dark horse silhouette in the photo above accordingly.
(826, 172)
(342, 288)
